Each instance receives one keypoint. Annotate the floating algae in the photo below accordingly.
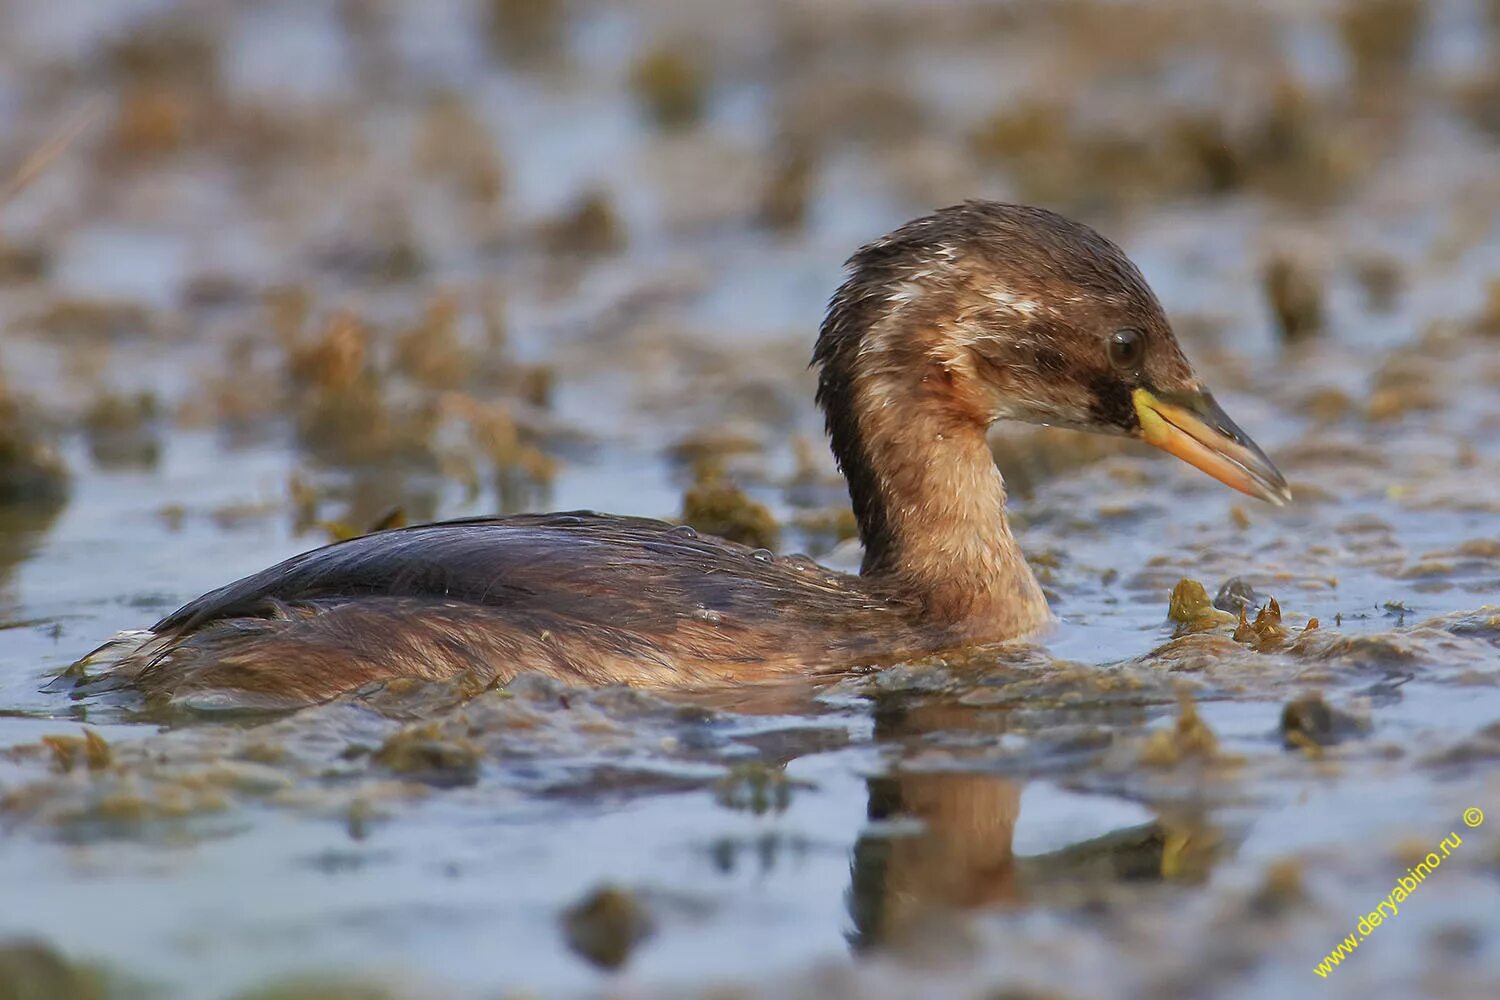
(1282, 889)
(31, 970)
(1188, 739)
(714, 505)
(607, 925)
(1191, 609)
(1380, 38)
(1309, 723)
(1266, 631)
(69, 752)
(122, 430)
(589, 227)
(670, 85)
(422, 753)
(1295, 295)
(321, 987)
(31, 470)
(756, 788)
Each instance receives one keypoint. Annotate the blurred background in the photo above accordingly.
(491, 255)
(274, 273)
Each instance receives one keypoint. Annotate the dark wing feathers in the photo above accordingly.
(584, 597)
(621, 570)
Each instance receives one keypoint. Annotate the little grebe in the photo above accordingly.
(977, 313)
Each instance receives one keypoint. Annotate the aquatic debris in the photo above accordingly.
(1310, 723)
(588, 227)
(527, 32)
(1405, 383)
(607, 925)
(1295, 295)
(51, 149)
(359, 817)
(783, 200)
(431, 351)
(1479, 100)
(1326, 404)
(343, 413)
(341, 531)
(333, 357)
(1236, 594)
(1489, 317)
(705, 449)
(327, 987)
(1288, 144)
(21, 263)
(32, 970)
(521, 471)
(415, 699)
(921, 676)
(1189, 738)
(422, 753)
(1189, 849)
(151, 120)
(1481, 749)
(89, 750)
(824, 529)
(1191, 609)
(1029, 457)
(755, 788)
(1381, 37)
(714, 505)
(394, 517)
(1282, 889)
(1380, 277)
(31, 470)
(1021, 130)
(455, 146)
(381, 246)
(1266, 631)
(210, 289)
(263, 752)
(89, 319)
(118, 800)
(163, 50)
(670, 85)
(122, 431)
(1301, 147)
(1397, 610)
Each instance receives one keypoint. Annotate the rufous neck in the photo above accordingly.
(931, 505)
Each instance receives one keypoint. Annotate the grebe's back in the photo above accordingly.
(591, 598)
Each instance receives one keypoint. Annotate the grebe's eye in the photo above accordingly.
(1127, 349)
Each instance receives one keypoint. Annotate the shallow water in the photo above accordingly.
(1033, 818)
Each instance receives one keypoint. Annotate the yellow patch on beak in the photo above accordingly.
(1195, 430)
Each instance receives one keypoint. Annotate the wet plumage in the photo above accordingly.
(591, 598)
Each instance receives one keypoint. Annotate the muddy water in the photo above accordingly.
(270, 272)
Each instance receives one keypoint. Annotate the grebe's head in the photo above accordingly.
(988, 312)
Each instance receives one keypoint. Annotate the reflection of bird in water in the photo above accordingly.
(974, 314)
(960, 857)
(945, 839)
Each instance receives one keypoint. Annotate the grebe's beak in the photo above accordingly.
(1194, 428)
